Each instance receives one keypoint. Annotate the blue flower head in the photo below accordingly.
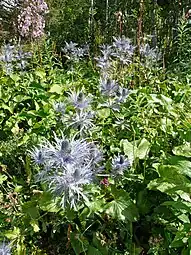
(119, 165)
(5, 249)
(68, 165)
(59, 107)
(79, 100)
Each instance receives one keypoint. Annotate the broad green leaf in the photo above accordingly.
(170, 173)
(97, 205)
(183, 165)
(136, 149)
(160, 184)
(129, 149)
(40, 73)
(178, 205)
(35, 225)
(31, 209)
(15, 77)
(93, 251)
(121, 207)
(103, 113)
(183, 150)
(56, 89)
(46, 203)
(181, 237)
(143, 149)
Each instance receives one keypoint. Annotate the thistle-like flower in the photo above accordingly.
(69, 164)
(119, 164)
(124, 50)
(79, 100)
(82, 120)
(69, 183)
(5, 249)
(122, 94)
(150, 53)
(63, 151)
(104, 61)
(108, 87)
(13, 56)
(37, 154)
(59, 107)
(124, 45)
(73, 52)
(8, 55)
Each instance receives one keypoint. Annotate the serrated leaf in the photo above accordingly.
(12, 234)
(46, 203)
(121, 207)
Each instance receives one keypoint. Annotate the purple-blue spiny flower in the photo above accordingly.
(79, 100)
(5, 249)
(119, 164)
(68, 165)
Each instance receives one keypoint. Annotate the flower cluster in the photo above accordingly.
(13, 56)
(114, 95)
(121, 50)
(5, 249)
(74, 53)
(68, 165)
(31, 21)
(124, 50)
(82, 116)
(150, 54)
(119, 164)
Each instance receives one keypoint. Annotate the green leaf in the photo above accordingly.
(79, 243)
(46, 203)
(170, 173)
(40, 73)
(183, 165)
(35, 225)
(13, 234)
(121, 207)
(56, 89)
(136, 149)
(103, 113)
(30, 208)
(129, 149)
(183, 150)
(93, 251)
(178, 205)
(3, 178)
(181, 237)
(143, 149)
(15, 77)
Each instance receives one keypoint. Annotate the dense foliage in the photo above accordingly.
(95, 138)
